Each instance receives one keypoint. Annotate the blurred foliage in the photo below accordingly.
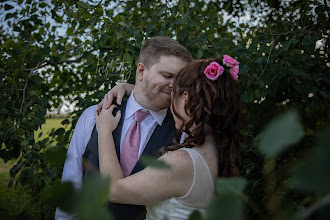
(73, 50)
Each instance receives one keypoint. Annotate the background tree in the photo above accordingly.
(76, 50)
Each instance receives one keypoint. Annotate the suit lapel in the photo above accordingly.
(117, 132)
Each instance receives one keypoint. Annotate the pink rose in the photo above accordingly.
(213, 71)
(234, 72)
(229, 61)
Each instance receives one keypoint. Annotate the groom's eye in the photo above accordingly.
(167, 75)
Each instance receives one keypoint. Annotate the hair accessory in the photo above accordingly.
(213, 71)
(232, 64)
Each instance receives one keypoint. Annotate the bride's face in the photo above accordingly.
(179, 105)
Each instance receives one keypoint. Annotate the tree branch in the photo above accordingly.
(27, 80)
(270, 52)
(11, 89)
(326, 45)
(52, 63)
(308, 212)
(42, 63)
(72, 61)
(327, 8)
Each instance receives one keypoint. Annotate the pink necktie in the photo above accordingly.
(131, 145)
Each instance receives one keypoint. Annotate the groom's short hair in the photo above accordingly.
(156, 47)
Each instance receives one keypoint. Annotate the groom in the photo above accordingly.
(160, 60)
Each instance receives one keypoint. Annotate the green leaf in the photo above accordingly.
(59, 132)
(65, 122)
(27, 173)
(234, 185)
(10, 183)
(195, 215)
(89, 201)
(127, 58)
(119, 35)
(24, 142)
(313, 175)
(226, 207)
(50, 171)
(42, 5)
(99, 10)
(14, 170)
(59, 19)
(282, 132)
(104, 38)
(244, 70)
(62, 195)
(83, 4)
(20, 131)
(153, 162)
(199, 54)
(36, 146)
(87, 15)
(286, 45)
(4, 111)
(55, 156)
(8, 7)
(325, 94)
(123, 24)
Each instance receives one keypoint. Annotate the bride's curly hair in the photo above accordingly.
(215, 108)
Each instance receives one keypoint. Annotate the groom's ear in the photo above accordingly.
(140, 71)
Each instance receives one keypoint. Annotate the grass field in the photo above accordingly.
(48, 126)
(11, 199)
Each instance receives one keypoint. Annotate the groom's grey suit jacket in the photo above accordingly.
(162, 136)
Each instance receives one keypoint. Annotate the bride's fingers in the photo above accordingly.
(110, 99)
(120, 96)
(112, 107)
(118, 115)
(99, 107)
(105, 100)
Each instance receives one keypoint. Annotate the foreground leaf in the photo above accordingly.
(282, 132)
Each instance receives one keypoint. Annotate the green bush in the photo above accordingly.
(77, 50)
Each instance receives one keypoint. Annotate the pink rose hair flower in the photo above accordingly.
(234, 72)
(213, 71)
(229, 61)
(232, 64)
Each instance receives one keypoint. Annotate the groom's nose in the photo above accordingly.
(171, 84)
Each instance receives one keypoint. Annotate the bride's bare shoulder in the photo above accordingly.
(180, 159)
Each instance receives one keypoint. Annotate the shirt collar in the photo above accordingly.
(132, 107)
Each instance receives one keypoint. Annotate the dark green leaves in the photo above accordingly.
(282, 132)
(228, 203)
(232, 185)
(313, 175)
(56, 156)
(8, 7)
(286, 45)
(279, 68)
(83, 4)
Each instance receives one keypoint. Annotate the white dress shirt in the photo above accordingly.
(73, 171)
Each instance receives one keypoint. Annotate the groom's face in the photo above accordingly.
(158, 81)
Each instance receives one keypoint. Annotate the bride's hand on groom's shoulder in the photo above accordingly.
(106, 123)
(117, 92)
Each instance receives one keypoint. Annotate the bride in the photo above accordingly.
(206, 106)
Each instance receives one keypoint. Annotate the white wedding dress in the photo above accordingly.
(197, 198)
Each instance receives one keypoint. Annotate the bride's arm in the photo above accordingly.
(109, 164)
(149, 185)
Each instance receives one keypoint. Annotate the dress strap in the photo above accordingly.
(202, 189)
